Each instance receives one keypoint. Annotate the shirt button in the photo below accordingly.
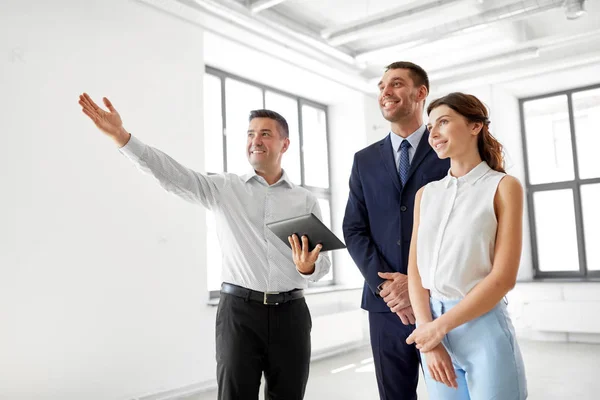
(399, 242)
(403, 208)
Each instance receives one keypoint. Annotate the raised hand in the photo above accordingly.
(304, 260)
(108, 122)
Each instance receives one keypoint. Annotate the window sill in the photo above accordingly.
(308, 292)
(330, 289)
(561, 280)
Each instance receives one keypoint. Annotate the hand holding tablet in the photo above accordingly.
(306, 225)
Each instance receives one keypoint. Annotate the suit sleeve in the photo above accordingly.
(357, 234)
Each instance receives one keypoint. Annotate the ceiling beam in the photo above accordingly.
(363, 28)
(262, 5)
(496, 60)
(277, 43)
(238, 14)
(513, 11)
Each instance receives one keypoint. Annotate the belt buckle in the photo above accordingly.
(265, 299)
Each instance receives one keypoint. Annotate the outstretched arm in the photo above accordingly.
(171, 175)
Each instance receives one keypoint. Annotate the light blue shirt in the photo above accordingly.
(414, 139)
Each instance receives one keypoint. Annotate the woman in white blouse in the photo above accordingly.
(464, 257)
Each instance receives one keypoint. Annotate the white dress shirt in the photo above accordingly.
(414, 139)
(457, 232)
(253, 257)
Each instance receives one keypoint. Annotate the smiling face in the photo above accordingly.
(450, 133)
(399, 98)
(265, 145)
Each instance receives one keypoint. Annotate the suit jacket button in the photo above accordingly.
(399, 242)
(403, 208)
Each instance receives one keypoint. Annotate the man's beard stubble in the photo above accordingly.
(403, 112)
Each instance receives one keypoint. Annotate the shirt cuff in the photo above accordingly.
(133, 149)
(318, 266)
(307, 276)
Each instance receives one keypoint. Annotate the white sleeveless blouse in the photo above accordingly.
(457, 232)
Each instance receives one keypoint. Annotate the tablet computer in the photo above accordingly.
(308, 225)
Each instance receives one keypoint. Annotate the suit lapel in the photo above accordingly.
(422, 150)
(387, 155)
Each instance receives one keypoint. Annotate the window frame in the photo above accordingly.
(574, 184)
(301, 101)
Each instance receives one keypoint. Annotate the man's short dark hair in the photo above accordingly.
(284, 131)
(418, 74)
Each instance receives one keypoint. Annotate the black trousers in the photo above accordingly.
(396, 363)
(253, 338)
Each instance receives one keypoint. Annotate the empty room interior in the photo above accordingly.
(110, 284)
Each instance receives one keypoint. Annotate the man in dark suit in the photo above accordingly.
(379, 220)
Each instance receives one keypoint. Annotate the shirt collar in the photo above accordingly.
(471, 177)
(283, 180)
(414, 138)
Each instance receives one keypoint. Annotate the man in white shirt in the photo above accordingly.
(263, 323)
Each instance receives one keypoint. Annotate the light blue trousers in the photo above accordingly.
(486, 358)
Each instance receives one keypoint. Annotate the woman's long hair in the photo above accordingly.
(470, 107)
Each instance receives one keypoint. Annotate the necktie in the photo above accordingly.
(404, 164)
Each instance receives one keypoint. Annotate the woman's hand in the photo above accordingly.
(427, 336)
(440, 366)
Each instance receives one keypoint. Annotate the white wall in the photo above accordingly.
(376, 127)
(556, 311)
(103, 276)
(102, 279)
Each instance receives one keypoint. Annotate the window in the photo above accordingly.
(563, 182)
(228, 100)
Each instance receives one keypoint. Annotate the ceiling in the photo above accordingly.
(451, 39)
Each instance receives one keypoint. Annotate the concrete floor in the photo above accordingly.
(555, 371)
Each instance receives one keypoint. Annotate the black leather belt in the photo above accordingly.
(268, 298)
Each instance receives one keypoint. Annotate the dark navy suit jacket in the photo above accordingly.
(379, 215)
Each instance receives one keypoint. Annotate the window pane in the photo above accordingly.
(548, 137)
(586, 106)
(213, 124)
(240, 99)
(590, 198)
(314, 146)
(288, 108)
(325, 212)
(326, 218)
(213, 254)
(555, 230)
